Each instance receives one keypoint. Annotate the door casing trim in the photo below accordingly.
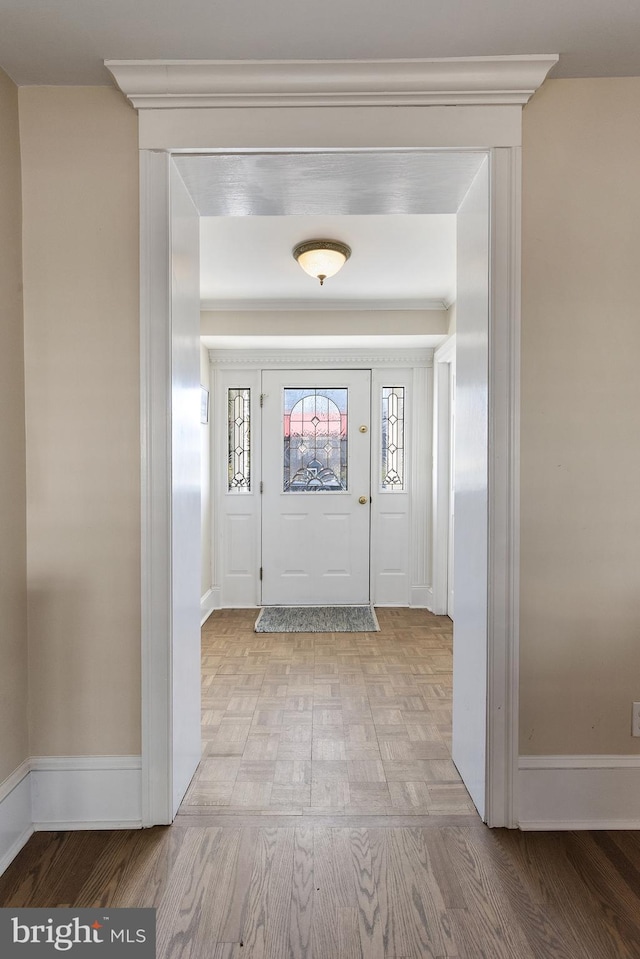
(416, 372)
(504, 424)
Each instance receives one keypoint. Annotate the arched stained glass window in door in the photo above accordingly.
(315, 440)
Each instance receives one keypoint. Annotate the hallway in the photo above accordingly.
(328, 723)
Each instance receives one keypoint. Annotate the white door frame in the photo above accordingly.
(412, 369)
(368, 109)
(443, 359)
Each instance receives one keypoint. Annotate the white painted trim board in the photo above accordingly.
(503, 386)
(86, 792)
(579, 792)
(16, 821)
(496, 128)
(188, 84)
(68, 792)
(334, 359)
(209, 602)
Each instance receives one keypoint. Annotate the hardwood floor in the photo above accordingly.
(281, 887)
(413, 876)
(331, 723)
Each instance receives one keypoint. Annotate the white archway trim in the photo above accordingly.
(503, 611)
(478, 81)
(443, 360)
(427, 128)
(503, 545)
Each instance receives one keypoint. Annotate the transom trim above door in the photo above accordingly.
(317, 359)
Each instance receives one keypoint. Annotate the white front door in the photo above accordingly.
(316, 469)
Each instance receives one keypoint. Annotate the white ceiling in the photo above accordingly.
(395, 209)
(397, 262)
(65, 42)
(336, 183)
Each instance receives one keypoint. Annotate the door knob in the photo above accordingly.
(363, 500)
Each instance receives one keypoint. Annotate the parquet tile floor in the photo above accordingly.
(328, 723)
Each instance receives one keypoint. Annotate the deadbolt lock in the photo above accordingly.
(363, 429)
(363, 500)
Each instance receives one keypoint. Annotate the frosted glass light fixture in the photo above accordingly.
(321, 258)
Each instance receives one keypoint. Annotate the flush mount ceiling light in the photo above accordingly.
(321, 258)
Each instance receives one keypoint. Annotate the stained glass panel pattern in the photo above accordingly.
(315, 440)
(239, 420)
(393, 438)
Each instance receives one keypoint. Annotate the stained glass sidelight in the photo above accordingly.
(315, 440)
(239, 422)
(393, 438)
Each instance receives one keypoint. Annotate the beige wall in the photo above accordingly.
(80, 193)
(334, 323)
(580, 599)
(580, 417)
(14, 747)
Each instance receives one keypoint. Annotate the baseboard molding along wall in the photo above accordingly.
(16, 821)
(209, 602)
(68, 792)
(86, 792)
(579, 792)
(421, 597)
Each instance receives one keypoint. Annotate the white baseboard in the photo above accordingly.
(421, 597)
(578, 792)
(16, 824)
(209, 602)
(86, 792)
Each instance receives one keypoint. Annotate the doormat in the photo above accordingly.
(317, 619)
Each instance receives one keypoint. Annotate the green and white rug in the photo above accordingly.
(317, 619)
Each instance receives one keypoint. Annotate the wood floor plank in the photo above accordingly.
(127, 870)
(238, 884)
(486, 927)
(369, 919)
(409, 923)
(623, 851)
(431, 910)
(266, 919)
(544, 930)
(344, 889)
(590, 860)
(217, 899)
(63, 885)
(227, 950)
(179, 913)
(349, 943)
(545, 859)
(325, 909)
(301, 912)
(435, 862)
(30, 873)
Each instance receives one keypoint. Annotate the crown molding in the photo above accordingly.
(318, 359)
(312, 306)
(481, 81)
